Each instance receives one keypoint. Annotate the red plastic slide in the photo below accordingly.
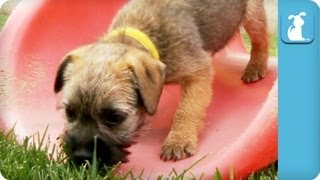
(240, 132)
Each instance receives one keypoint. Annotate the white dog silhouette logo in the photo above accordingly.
(295, 30)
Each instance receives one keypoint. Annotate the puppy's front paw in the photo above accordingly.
(254, 72)
(176, 148)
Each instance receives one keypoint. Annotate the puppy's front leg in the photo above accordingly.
(182, 139)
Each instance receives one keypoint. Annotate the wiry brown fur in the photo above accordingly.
(119, 76)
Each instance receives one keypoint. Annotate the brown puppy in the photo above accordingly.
(109, 86)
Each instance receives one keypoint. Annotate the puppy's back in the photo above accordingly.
(215, 20)
(218, 20)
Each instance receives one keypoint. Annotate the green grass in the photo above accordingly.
(29, 161)
(32, 160)
(268, 173)
(3, 19)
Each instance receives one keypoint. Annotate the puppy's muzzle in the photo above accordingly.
(107, 151)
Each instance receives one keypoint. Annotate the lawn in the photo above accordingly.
(29, 161)
(3, 19)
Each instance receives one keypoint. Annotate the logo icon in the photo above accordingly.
(297, 26)
(295, 30)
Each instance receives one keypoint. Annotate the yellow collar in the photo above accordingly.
(139, 36)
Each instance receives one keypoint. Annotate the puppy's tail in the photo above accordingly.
(290, 32)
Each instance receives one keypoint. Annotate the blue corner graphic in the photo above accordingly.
(299, 89)
(317, 2)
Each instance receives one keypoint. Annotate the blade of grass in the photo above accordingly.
(127, 174)
(141, 174)
(94, 170)
(190, 167)
(43, 137)
(111, 171)
(231, 173)
(217, 175)
(173, 172)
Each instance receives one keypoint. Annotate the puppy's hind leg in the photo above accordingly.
(255, 24)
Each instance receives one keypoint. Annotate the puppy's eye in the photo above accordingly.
(71, 114)
(113, 117)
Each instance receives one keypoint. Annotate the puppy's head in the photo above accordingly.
(107, 89)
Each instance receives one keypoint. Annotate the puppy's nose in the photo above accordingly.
(82, 155)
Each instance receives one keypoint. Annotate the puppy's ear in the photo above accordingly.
(302, 14)
(290, 17)
(60, 79)
(150, 77)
